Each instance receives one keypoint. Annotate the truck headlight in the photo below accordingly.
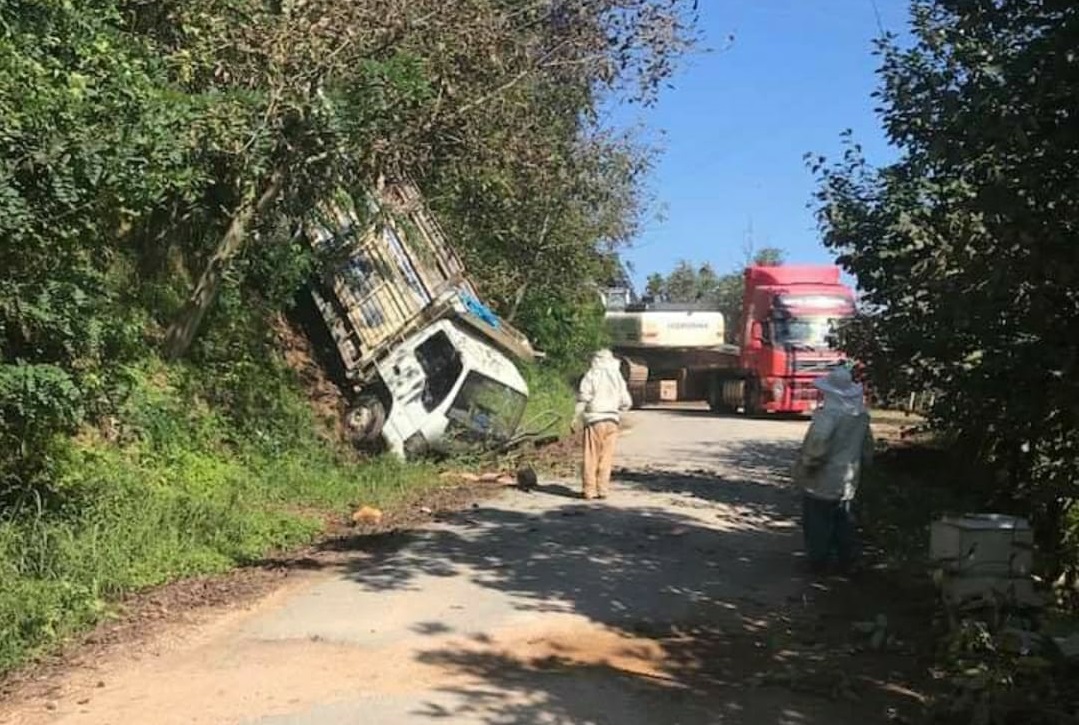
(778, 388)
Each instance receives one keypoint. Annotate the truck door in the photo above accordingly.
(420, 378)
(755, 338)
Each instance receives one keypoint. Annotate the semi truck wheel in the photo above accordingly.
(719, 397)
(366, 418)
(752, 402)
(716, 404)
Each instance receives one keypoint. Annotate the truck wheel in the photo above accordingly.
(715, 397)
(366, 418)
(718, 401)
(752, 399)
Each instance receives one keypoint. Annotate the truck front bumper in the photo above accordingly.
(795, 396)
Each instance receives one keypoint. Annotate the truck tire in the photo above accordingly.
(717, 397)
(751, 405)
(365, 419)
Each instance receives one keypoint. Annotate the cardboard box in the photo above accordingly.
(668, 391)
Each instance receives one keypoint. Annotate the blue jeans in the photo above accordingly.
(828, 527)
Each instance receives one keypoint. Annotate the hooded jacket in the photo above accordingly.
(838, 444)
(603, 394)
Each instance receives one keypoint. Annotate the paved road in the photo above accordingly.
(661, 606)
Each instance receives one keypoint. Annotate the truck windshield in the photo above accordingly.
(486, 408)
(812, 332)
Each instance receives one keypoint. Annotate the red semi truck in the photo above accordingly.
(782, 344)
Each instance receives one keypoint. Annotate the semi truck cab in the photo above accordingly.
(790, 314)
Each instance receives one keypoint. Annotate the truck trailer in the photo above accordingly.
(666, 348)
(782, 344)
(427, 363)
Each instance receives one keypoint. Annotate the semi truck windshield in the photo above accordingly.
(804, 331)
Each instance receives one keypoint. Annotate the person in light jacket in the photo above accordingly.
(601, 400)
(838, 444)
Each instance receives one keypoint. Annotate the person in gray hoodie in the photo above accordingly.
(601, 400)
(837, 446)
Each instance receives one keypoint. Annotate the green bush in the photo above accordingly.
(567, 330)
(36, 403)
(551, 398)
(972, 208)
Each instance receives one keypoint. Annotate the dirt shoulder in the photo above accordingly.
(143, 617)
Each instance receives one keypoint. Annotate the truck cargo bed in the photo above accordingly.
(388, 272)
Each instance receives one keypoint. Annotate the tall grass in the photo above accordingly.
(185, 491)
(551, 398)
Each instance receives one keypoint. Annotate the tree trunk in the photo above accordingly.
(517, 300)
(523, 289)
(182, 331)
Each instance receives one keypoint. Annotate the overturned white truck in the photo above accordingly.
(429, 365)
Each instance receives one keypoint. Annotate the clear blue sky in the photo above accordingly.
(739, 120)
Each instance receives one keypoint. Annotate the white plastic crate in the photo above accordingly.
(983, 545)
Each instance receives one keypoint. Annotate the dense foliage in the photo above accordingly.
(155, 154)
(966, 247)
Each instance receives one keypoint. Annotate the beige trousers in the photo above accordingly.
(599, 441)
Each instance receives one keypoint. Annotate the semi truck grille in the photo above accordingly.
(804, 390)
(812, 366)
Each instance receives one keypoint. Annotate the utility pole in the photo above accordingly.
(748, 242)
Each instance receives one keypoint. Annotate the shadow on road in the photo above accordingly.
(767, 463)
(558, 489)
(687, 594)
(763, 468)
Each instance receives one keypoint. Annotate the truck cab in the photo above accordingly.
(446, 387)
(789, 314)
